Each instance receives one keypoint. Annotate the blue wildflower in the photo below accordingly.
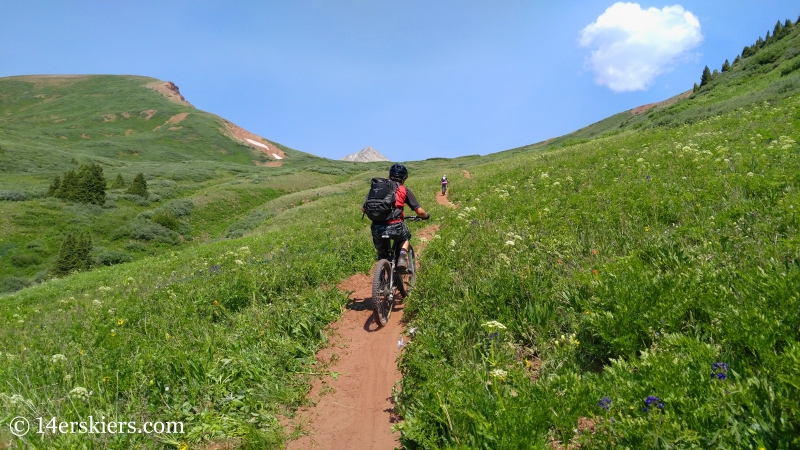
(652, 400)
(719, 370)
(605, 403)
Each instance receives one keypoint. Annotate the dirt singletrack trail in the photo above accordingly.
(354, 410)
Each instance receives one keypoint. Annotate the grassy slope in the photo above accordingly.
(623, 267)
(52, 124)
(611, 240)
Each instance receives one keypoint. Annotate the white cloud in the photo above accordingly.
(632, 46)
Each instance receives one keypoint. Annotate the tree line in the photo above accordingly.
(88, 185)
(780, 31)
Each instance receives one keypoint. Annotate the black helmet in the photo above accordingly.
(398, 173)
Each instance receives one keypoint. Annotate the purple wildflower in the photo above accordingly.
(719, 371)
(605, 403)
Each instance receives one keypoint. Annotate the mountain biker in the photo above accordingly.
(396, 226)
(444, 184)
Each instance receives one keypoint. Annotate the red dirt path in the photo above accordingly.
(354, 411)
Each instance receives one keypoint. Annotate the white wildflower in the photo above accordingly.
(749, 174)
(97, 303)
(80, 393)
(510, 243)
(544, 175)
(57, 358)
(239, 262)
(493, 325)
(500, 374)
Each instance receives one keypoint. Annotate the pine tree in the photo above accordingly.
(760, 42)
(736, 61)
(119, 182)
(54, 186)
(94, 184)
(695, 88)
(768, 38)
(69, 186)
(139, 186)
(706, 78)
(74, 255)
(777, 31)
(726, 66)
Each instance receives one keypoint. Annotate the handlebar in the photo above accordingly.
(417, 218)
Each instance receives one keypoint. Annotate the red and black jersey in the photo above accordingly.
(403, 196)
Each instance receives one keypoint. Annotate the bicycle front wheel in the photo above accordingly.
(405, 281)
(381, 292)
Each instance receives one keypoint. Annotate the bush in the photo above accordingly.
(12, 284)
(25, 260)
(167, 219)
(13, 196)
(180, 208)
(143, 229)
(112, 257)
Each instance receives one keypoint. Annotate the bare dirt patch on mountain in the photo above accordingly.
(148, 113)
(354, 407)
(644, 108)
(177, 118)
(253, 140)
(169, 90)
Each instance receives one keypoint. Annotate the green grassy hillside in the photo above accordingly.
(195, 169)
(633, 285)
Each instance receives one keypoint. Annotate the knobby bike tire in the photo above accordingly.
(405, 281)
(381, 295)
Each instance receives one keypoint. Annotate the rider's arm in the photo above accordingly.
(421, 213)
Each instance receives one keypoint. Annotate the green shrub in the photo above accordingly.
(180, 208)
(112, 257)
(12, 196)
(167, 219)
(11, 284)
(119, 182)
(146, 230)
(791, 67)
(25, 260)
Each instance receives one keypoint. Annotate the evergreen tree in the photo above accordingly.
(787, 26)
(139, 186)
(748, 51)
(54, 186)
(92, 184)
(726, 66)
(74, 254)
(119, 182)
(777, 31)
(695, 88)
(69, 186)
(706, 78)
(767, 39)
(736, 61)
(760, 42)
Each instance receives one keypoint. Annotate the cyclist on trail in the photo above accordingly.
(444, 184)
(395, 225)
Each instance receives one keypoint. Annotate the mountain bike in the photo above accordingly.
(387, 279)
(444, 188)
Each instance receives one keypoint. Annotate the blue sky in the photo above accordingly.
(414, 79)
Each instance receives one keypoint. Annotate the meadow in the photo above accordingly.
(633, 284)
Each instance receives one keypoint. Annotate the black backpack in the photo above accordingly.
(379, 205)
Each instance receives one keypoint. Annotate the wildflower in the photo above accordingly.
(79, 393)
(500, 374)
(652, 400)
(412, 331)
(605, 403)
(510, 243)
(97, 303)
(749, 174)
(719, 371)
(106, 379)
(401, 343)
(239, 262)
(493, 325)
(594, 272)
(594, 252)
(120, 321)
(58, 357)
(216, 303)
(646, 229)
(113, 332)
(544, 175)
(556, 184)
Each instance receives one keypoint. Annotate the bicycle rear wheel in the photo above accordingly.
(382, 298)
(405, 281)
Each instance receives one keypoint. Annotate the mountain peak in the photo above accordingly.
(367, 154)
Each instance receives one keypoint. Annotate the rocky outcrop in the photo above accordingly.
(368, 154)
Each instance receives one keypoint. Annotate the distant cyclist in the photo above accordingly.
(394, 224)
(444, 184)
